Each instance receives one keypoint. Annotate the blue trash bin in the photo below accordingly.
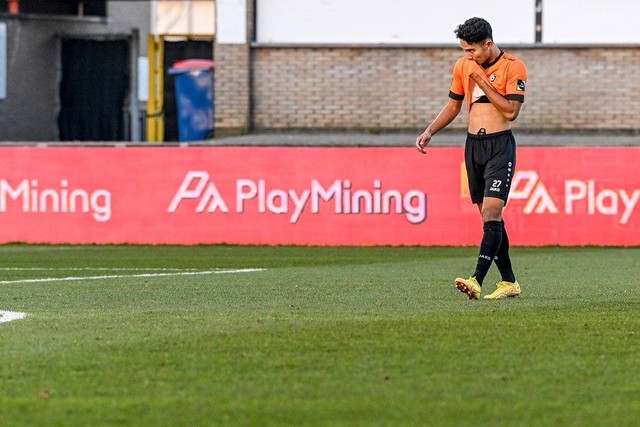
(194, 81)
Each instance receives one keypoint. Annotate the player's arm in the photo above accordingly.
(507, 107)
(446, 116)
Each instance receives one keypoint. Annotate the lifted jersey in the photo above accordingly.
(507, 74)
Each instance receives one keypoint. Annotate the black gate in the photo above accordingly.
(94, 90)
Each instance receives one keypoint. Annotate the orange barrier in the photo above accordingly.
(309, 196)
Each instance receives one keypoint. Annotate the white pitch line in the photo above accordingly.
(93, 269)
(8, 316)
(126, 276)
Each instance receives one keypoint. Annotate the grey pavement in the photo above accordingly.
(447, 138)
(401, 139)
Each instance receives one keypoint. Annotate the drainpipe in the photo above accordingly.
(251, 30)
(538, 33)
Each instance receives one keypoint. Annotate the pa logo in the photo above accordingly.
(526, 185)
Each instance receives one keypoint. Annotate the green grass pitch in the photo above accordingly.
(172, 336)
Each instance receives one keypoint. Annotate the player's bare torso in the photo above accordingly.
(486, 116)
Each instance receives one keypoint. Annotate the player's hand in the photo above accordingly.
(422, 141)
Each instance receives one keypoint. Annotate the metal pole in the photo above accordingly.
(538, 21)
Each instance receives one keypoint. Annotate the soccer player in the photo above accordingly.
(493, 83)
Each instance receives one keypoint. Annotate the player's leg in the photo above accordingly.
(500, 171)
(491, 212)
(475, 165)
(508, 286)
(503, 260)
(475, 177)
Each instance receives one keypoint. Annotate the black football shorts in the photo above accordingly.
(490, 160)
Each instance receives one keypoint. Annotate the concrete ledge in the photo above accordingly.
(447, 139)
(451, 138)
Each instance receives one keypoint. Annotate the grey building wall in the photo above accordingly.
(29, 111)
(125, 15)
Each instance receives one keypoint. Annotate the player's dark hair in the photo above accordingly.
(474, 30)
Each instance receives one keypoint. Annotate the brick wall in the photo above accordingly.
(404, 88)
(232, 95)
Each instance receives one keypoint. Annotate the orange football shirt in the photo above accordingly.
(507, 74)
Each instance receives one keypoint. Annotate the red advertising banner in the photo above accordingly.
(309, 196)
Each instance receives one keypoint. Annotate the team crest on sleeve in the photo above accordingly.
(521, 84)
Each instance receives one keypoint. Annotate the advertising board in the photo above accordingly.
(309, 196)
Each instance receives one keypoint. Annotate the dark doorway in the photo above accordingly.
(174, 51)
(94, 89)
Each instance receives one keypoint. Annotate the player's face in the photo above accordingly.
(478, 52)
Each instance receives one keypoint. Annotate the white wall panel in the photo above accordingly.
(231, 21)
(389, 21)
(591, 21)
